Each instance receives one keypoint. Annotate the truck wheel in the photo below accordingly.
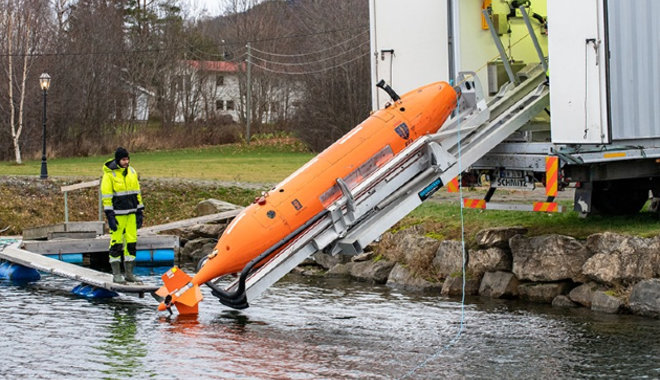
(617, 198)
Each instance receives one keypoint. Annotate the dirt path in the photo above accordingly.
(502, 195)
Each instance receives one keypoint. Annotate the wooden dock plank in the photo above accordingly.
(191, 222)
(81, 185)
(42, 232)
(54, 247)
(41, 263)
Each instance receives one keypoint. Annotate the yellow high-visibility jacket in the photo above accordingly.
(120, 189)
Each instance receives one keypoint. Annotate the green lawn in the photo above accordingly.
(444, 222)
(266, 164)
(236, 162)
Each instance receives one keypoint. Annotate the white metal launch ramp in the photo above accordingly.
(412, 176)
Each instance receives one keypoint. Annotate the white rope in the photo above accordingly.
(462, 322)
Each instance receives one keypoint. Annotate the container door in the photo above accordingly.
(409, 45)
(578, 72)
(634, 42)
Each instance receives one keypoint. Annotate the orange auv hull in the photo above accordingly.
(311, 188)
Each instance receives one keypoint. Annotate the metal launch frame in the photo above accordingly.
(360, 216)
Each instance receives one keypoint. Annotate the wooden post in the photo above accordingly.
(82, 185)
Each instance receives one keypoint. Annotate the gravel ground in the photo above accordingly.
(503, 195)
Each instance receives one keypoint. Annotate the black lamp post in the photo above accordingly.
(44, 81)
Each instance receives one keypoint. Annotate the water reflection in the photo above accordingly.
(315, 328)
(121, 350)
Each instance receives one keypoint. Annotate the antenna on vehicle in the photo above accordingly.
(389, 90)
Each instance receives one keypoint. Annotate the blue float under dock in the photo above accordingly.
(19, 257)
(152, 250)
(18, 273)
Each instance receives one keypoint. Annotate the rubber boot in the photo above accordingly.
(129, 265)
(116, 273)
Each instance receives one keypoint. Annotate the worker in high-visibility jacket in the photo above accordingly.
(122, 203)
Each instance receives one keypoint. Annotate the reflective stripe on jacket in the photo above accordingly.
(120, 189)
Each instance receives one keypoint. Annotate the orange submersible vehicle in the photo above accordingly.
(333, 194)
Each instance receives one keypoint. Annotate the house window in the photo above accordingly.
(219, 80)
(230, 105)
(218, 105)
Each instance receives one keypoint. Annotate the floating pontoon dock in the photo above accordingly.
(88, 276)
(51, 256)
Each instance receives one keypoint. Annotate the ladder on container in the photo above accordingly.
(360, 216)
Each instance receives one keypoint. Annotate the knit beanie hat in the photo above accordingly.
(120, 153)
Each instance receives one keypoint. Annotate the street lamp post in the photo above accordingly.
(44, 82)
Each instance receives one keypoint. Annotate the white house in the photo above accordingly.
(140, 99)
(136, 103)
(208, 90)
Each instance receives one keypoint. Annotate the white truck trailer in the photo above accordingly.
(599, 128)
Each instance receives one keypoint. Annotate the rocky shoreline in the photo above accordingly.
(607, 272)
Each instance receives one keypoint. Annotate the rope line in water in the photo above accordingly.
(460, 195)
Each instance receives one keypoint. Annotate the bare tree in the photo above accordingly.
(310, 63)
(20, 22)
(336, 91)
(260, 24)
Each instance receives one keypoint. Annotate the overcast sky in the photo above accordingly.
(196, 7)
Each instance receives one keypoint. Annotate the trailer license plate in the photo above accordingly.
(514, 179)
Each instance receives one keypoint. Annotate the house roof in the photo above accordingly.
(217, 66)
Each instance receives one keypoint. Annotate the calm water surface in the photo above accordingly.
(306, 328)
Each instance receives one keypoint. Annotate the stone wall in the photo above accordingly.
(607, 273)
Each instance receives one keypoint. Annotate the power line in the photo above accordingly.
(310, 62)
(160, 50)
(108, 52)
(310, 72)
(298, 35)
(313, 52)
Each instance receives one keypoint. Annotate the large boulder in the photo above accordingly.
(605, 303)
(548, 258)
(448, 258)
(453, 286)
(212, 231)
(214, 206)
(195, 231)
(328, 261)
(609, 242)
(498, 237)
(499, 285)
(413, 248)
(542, 292)
(197, 248)
(563, 301)
(645, 298)
(340, 270)
(364, 256)
(622, 260)
(583, 294)
(372, 271)
(400, 277)
(488, 260)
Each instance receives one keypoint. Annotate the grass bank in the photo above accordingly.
(443, 221)
(29, 202)
(263, 161)
(175, 181)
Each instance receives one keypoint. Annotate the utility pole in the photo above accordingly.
(248, 102)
